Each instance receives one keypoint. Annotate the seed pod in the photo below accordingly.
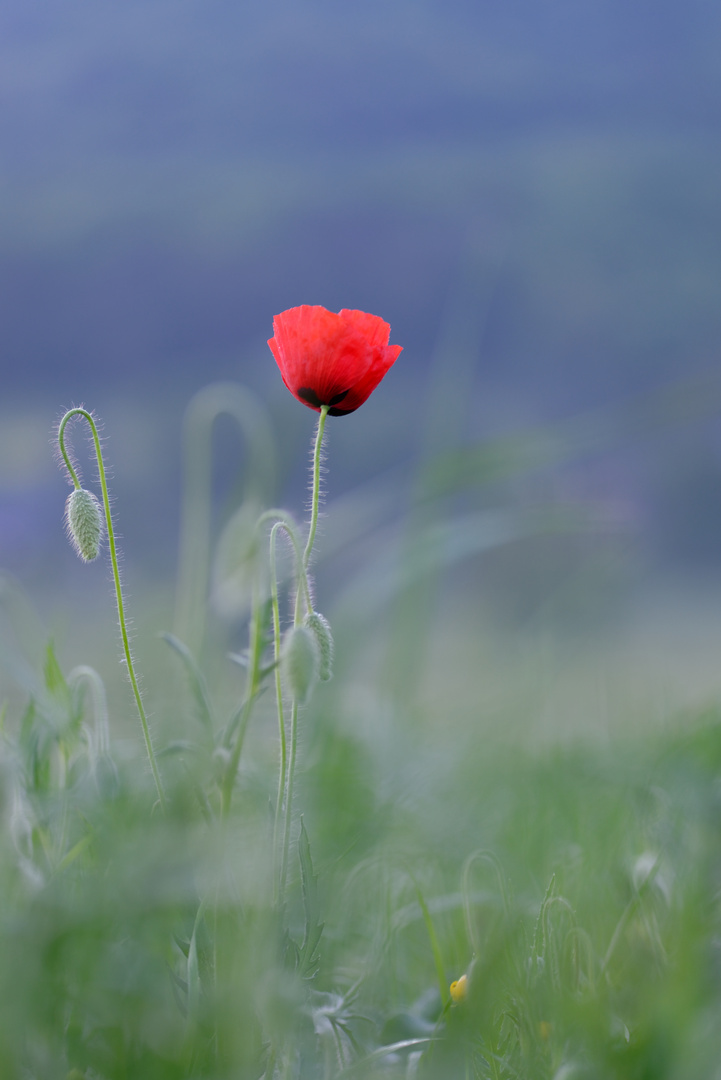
(320, 628)
(84, 523)
(301, 662)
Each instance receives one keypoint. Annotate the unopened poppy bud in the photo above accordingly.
(84, 523)
(320, 629)
(301, 663)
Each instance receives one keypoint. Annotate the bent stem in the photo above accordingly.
(116, 578)
(205, 408)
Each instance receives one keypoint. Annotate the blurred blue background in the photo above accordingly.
(528, 192)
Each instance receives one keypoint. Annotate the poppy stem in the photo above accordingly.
(315, 499)
(302, 580)
(279, 706)
(116, 578)
(289, 799)
(284, 777)
(280, 521)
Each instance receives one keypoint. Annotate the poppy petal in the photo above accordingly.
(331, 359)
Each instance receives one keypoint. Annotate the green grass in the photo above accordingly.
(436, 832)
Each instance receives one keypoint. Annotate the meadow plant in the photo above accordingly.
(222, 916)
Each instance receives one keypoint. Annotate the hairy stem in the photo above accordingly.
(303, 571)
(316, 485)
(116, 578)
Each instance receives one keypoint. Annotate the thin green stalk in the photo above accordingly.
(116, 578)
(281, 517)
(254, 680)
(287, 764)
(289, 795)
(282, 777)
(279, 702)
(314, 505)
(282, 520)
(315, 498)
(626, 914)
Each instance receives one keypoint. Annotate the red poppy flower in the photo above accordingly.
(329, 359)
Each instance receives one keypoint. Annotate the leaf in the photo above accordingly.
(35, 743)
(27, 725)
(193, 970)
(59, 707)
(54, 678)
(383, 1051)
(198, 687)
(180, 746)
(538, 949)
(75, 851)
(194, 965)
(435, 946)
(242, 659)
(308, 957)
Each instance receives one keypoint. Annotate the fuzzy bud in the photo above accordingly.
(320, 628)
(301, 662)
(84, 523)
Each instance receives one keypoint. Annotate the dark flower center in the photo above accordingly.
(309, 395)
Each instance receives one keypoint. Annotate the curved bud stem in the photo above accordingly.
(206, 407)
(101, 744)
(116, 576)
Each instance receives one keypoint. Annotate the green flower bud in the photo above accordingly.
(301, 662)
(320, 628)
(84, 523)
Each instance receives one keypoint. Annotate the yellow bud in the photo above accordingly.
(459, 989)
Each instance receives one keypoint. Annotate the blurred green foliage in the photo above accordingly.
(444, 826)
(585, 916)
